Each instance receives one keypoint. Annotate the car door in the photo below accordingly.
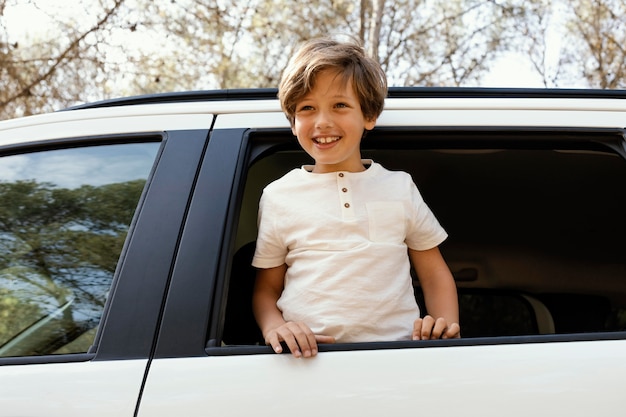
(197, 370)
(89, 229)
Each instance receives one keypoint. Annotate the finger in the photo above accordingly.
(300, 339)
(305, 339)
(428, 323)
(439, 329)
(452, 332)
(422, 328)
(287, 335)
(417, 329)
(283, 334)
(273, 341)
(319, 338)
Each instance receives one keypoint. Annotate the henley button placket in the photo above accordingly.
(345, 196)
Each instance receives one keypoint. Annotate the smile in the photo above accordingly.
(328, 139)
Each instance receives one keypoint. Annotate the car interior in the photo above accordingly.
(535, 219)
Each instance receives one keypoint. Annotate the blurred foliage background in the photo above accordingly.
(56, 54)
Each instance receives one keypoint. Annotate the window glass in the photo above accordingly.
(536, 236)
(64, 216)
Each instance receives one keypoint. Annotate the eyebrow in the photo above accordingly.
(334, 96)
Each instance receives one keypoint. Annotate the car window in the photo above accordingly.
(535, 222)
(64, 217)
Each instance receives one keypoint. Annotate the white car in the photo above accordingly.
(127, 229)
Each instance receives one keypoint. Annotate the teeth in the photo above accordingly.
(327, 139)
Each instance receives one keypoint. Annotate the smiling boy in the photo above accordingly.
(333, 237)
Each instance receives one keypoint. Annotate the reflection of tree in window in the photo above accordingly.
(64, 215)
(59, 248)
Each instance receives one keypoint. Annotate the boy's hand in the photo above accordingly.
(429, 328)
(298, 337)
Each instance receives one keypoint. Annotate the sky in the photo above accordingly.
(74, 167)
(512, 70)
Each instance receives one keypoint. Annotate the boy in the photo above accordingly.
(332, 245)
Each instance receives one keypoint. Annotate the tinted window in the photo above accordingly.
(64, 217)
(535, 222)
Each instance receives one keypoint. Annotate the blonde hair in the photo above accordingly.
(348, 59)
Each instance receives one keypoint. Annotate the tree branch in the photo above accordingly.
(61, 58)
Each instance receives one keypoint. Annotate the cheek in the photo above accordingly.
(295, 128)
(298, 132)
(299, 127)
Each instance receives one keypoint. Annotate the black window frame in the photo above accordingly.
(193, 324)
(131, 314)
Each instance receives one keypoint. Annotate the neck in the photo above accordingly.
(326, 168)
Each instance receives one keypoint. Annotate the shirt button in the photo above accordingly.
(345, 190)
(341, 174)
(347, 205)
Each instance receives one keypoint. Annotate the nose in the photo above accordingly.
(324, 120)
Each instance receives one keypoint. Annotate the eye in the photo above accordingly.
(341, 105)
(305, 107)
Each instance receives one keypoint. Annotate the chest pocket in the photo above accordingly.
(387, 221)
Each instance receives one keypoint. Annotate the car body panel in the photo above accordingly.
(516, 380)
(107, 121)
(589, 112)
(539, 112)
(78, 389)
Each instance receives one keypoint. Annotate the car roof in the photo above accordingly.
(394, 92)
(405, 106)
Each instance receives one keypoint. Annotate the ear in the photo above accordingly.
(369, 124)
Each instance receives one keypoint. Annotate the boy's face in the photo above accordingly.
(329, 124)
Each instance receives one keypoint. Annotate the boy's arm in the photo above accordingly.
(298, 336)
(440, 296)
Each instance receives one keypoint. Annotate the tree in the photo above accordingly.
(228, 44)
(535, 31)
(577, 43)
(596, 35)
(127, 47)
(429, 43)
(418, 42)
(43, 74)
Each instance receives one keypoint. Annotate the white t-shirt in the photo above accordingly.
(344, 238)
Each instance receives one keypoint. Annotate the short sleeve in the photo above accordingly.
(424, 231)
(271, 250)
